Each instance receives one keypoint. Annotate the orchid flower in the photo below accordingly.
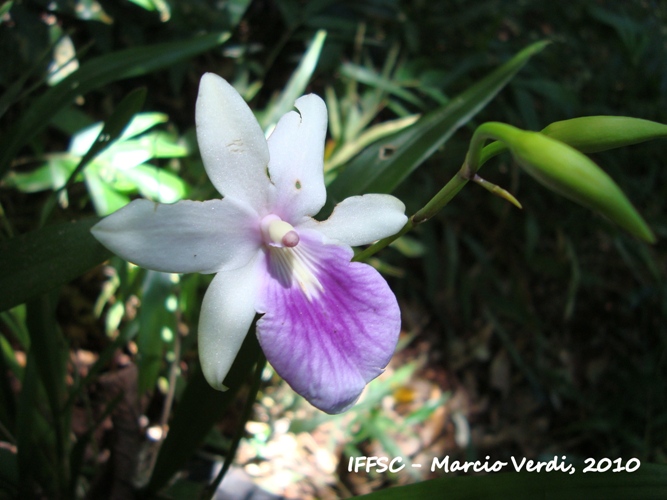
(328, 326)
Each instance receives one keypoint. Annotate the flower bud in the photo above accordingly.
(570, 173)
(591, 134)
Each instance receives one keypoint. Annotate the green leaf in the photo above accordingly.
(161, 6)
(50, 352)
(385, 164)
(353, 147)
(371, 78)
(105, 198)
(15, 323)
(198, 410)
(52, 175)
(154, 318)
(94, 74)
(297, 83)
(157, 184)
(112, 128)
(36, 262)
(34, 437)
(9, 473)
(30, 457)
(141, 122)
(647, 483)
(160, 145)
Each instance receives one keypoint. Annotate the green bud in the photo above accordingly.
(570, 173)
(590, 134)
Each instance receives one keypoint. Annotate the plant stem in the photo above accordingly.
(476, 157)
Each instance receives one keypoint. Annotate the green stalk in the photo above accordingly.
(476, 157)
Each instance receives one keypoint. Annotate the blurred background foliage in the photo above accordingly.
(549, 321)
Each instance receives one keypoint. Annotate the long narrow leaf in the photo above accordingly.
(372, 79)
(50, 352)
(385, 164)
(298, 82)
(153, 318)
(33, 449)
(42, 260)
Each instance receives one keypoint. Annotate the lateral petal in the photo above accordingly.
(297, 160)
(231, 143)
(226, 315)
(331, 332)
(186, 237)
(359, 220)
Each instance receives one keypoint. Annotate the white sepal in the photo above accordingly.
(226, 315)
(231, 142)
(186, 237)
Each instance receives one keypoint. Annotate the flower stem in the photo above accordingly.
(476, 157)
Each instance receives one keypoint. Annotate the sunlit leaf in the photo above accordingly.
(297, 83)
(52, 175)
(157, 184)
(105, 199)
(372, 134)
(159, 144)
(141, 122)
(91, 10)
(64, 60)
(111, 130)
(161, 6)
(94, 74)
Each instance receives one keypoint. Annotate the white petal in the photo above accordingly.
(186, 237)
(297, 160)
(231, 142)
(226, 315)
(360, 220)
